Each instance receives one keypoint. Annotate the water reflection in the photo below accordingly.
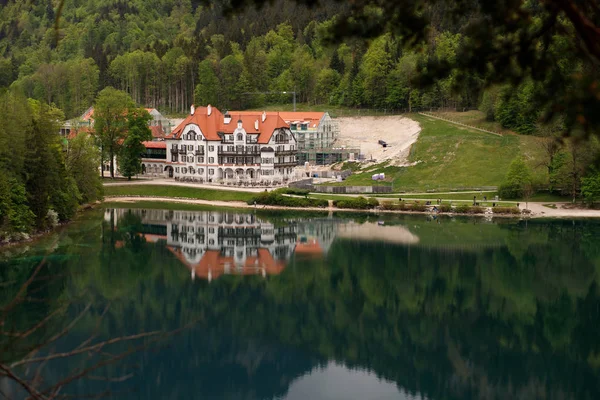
(334, 307)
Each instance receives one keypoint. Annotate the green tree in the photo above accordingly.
(130, 154)
(516, 180)
(326, 86)
(82, 160)
(207, 89)
(110, 123)
(590, 186)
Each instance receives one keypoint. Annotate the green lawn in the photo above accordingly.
(474, 118)
(177, 191)
(452, 157)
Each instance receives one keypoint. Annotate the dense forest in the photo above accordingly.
(43, 180)
(168, 54)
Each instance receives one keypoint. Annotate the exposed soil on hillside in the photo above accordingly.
(364, 132)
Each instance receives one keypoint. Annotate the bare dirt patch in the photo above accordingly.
(364, 132)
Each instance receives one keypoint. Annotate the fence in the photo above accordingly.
(460, 123)
(353, 189)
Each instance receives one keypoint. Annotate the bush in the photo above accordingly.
(467, 209)
(277, 199)
(418, 207)
(445, 208)
(506, 210)
(359, 203)
(462, 208)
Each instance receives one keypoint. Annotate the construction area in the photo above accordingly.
(366, 133)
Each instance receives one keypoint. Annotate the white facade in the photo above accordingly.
(257, 149)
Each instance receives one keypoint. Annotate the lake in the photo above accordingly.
(170, 304)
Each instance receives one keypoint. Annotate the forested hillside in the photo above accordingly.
(169, 53)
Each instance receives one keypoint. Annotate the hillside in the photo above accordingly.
(451, 157)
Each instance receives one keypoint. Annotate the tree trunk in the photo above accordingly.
(112, 165)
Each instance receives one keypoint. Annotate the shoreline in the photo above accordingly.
(539, 212)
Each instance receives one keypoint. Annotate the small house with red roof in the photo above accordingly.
(249, 147)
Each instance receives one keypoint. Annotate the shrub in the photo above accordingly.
(418, 207)
(388, 205)
(467, 209)
(476, 210)
(462, 208)
(445, 208)
(276, 199)
(359, 203)
(506, 210)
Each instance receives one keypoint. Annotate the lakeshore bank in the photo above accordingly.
(538, 210)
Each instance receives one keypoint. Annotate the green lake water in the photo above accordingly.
(303, 306)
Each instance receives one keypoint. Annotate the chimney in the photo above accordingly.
(256, 125)
(192, 110)
(264, 116)
(226, 118)
(208, 110)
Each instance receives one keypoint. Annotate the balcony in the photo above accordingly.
(286, 164)
(239, 153)
(199, 152)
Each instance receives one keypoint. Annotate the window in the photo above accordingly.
(240, 137)
(190, 147)
(184, 170)
(200, 159)
(192, 171)
(230, 148)
(174, 157)
(211, 148)
(191, 159)
(177, 169)
(230, 160)
(200, 171)
(211, 171)
(211, 160)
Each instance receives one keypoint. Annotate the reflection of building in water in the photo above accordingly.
(212, 243)
(316, 236)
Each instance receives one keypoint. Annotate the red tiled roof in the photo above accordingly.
(155, 145)
(211, 124)
(74, 132)
(213, 261)
(157, 131)
(312, 117)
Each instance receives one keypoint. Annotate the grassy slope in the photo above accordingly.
(177, 191)
(453, 157)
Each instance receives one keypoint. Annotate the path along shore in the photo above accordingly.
(537, 209)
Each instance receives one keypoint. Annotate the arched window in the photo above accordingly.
(184, 170)
(240, 137)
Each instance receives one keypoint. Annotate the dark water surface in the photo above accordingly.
(294, 306)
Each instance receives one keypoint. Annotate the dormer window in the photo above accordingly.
(240, 137)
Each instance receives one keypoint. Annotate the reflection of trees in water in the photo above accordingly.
(520, 320)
